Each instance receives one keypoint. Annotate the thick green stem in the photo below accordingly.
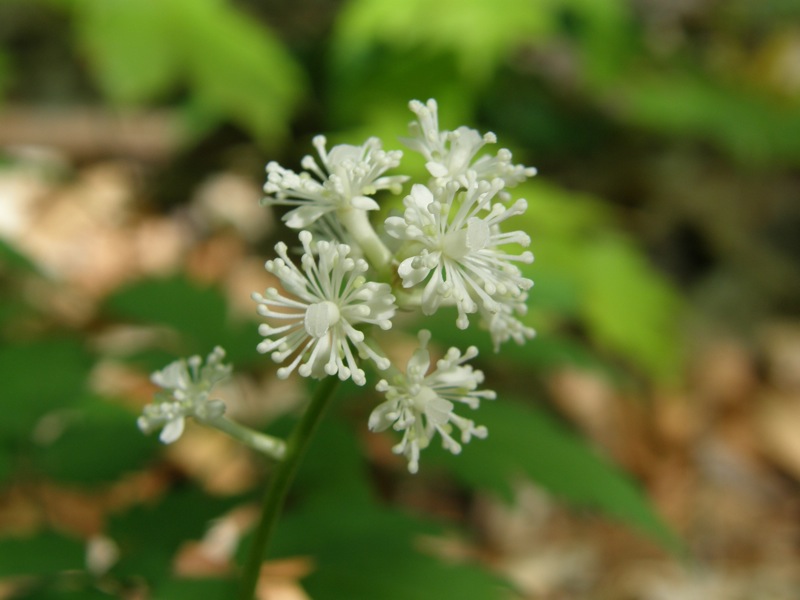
(282, 478)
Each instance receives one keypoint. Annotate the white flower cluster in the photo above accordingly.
(186, 385)
(447, 248)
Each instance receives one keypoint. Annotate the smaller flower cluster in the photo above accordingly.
(186, 385)
(421, 404)
(347, 177)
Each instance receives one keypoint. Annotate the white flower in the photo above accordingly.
(331, 298)
(421, 405)
(451, 155)
(455, 244)
(186, 386)
(503, 325)
(344, 179)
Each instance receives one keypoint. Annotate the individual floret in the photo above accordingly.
(318, 325)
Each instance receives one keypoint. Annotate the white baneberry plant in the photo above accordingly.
(451, 246)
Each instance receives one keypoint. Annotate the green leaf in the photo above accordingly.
(602, 278)
(13, 258)
(149, 536)
(476, 32)
(333, 517)
(5, 73)
(198, 312)
(196, 589)
(527, 441)
(43, 554)
(130, 46)
(96, 423)
(752, 128)
(370, 553)
(237, 68)
(631, 309)
(39, 377)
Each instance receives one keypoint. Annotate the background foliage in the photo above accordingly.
(653, 127)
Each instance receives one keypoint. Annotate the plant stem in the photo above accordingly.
(282, 478)
(266, 444)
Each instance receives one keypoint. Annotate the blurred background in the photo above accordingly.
(645, 445)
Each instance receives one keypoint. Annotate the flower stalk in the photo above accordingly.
(282, 478)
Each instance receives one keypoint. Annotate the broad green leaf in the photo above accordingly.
(149, 536)
(206, 588)
(196, 311)
(752, 128)
(630, 308)
(604, 280)
(476, 32)
(5, 466)
(199, 313)
(237, 67)
(95, 424)
(371, 553)
(130, 46)
(5, 73)
(527, 441)
(40, 377)
(43, 554)
(12, 257)
(354, 543)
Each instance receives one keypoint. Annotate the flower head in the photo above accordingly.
(421, 404)
(451, 155)
(456, 247)
(318, 325)
(343, 179)
(186, 385)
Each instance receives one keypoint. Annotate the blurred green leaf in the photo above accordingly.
(95, 424)
(197, 589)
(603, 280)
(476, 32)
(149, 536)
(527, 441)
(42, 554)
(15, 259)
(753, 128)
(196, 311)
(238, 68)
(355, 543)
(5, 73)
(131, 46)
(5, 466)
(199, 313)
(39, 377)
(353, 552)
(235, 68)
(630, 307)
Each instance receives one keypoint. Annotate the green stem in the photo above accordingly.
(282, 478)
(266, 444)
